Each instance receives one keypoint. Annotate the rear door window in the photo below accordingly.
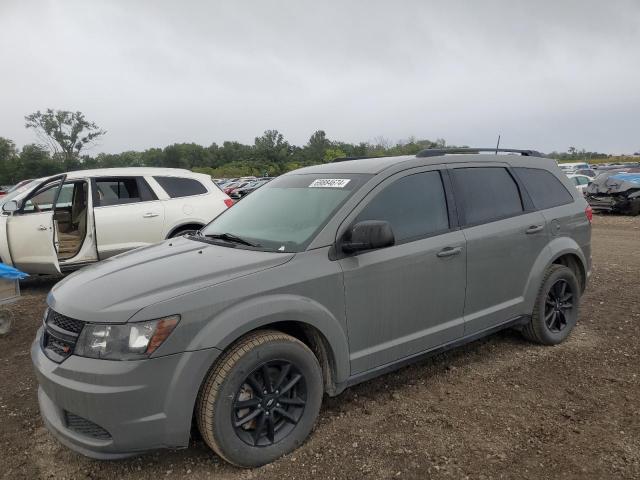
(121, 191)
(544, 188)
(177, 187)
(414, 205)
(486, 194)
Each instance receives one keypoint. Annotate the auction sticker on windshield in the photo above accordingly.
(329, 182)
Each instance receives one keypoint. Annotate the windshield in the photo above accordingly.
(286, 214)
(18, 192)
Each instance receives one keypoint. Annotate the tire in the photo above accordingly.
(552, 321)
(634, 208)
(5, 322)
(238, 376)
(183, 231)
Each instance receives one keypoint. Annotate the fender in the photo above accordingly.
(230, 324)
(556, 248)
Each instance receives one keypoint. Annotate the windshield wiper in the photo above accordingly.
(230, 237)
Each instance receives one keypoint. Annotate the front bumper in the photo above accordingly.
(109, 409)
(612, 203)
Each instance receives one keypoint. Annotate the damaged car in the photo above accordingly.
(615, 192)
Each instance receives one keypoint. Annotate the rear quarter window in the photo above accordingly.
(544, 188)
(177, 187)
(486, 194)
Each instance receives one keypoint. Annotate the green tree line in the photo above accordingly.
(270, 153)
(65, 137)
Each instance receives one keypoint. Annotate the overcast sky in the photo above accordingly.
(544, 74)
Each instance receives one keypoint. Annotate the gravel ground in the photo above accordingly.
(497, 408)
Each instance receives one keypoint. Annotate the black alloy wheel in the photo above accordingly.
(555, 311)
(558, 306)
(269, 404)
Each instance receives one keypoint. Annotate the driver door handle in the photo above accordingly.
(150, 215)
(449, 252)
(534, 229)
(42, 228)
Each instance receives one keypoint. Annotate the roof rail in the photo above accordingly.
(435, 152)
(345, 159)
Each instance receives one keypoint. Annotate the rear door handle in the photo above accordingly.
(534, 229)
(449, 252)
(150, 215)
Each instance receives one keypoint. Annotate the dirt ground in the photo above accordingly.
(497, 408)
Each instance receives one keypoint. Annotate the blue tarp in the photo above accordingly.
(11, 273)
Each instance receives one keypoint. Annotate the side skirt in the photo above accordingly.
(403, 362)
(70, 267)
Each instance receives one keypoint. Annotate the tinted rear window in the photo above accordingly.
(545, 190)
(177, 187)
(486, 194)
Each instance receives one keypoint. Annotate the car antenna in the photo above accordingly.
(497, 144)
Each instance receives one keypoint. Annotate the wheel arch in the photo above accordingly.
(560, 250)
(185, 226)
(300, 317)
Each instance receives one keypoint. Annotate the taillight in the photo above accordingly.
(229, 203)
(589, 213)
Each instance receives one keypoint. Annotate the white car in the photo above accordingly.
(571, 167)
(66, 221)
(580, 181)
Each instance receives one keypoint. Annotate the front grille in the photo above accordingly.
(60, 335)
(65, 323)
(85, 427)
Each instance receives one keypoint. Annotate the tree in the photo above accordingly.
(8, 161)
(332, 153)
(63, 132)
(271, 148)
(317, 146)
(35, 162)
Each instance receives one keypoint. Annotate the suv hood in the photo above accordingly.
(113, 290)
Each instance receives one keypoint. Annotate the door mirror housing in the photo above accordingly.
(368, 235)
(10, 206)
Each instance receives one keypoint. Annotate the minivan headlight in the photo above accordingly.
(129, 341)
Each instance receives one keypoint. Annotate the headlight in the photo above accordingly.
(124, 342)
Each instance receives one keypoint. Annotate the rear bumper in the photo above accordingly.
(120, 408)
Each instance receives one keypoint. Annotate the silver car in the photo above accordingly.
(323, 278)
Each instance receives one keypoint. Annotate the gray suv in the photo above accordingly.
(323, 278)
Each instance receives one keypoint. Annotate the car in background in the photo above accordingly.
(238, 193)
(66, 221)
(615, 192)
(580, 181)
(570, 167)
(228, 189)
(589, 172)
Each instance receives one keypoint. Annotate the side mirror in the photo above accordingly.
(368, 235)
(10, 207)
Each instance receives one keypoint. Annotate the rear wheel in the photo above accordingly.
(556, 309)
(261, 399)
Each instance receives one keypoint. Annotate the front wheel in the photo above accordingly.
(261, 399)
(556, 309)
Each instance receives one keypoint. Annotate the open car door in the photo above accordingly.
(31, 232)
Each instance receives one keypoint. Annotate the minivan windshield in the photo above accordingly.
(285, 214)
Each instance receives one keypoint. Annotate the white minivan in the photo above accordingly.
(66, 221)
